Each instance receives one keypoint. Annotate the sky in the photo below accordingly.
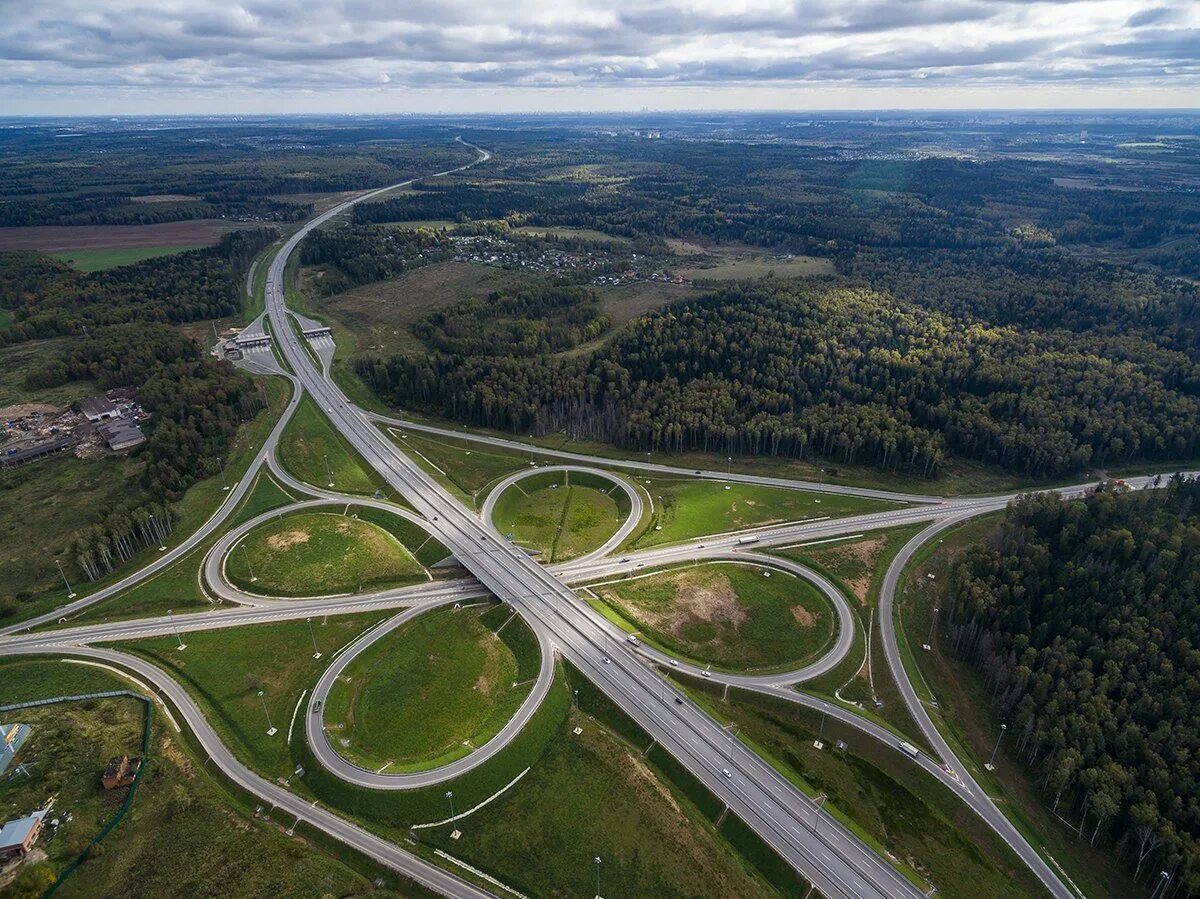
(83, 57)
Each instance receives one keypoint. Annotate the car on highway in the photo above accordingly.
(706, 673)
(725, 771)
(678, 701)
(607, 660)
(674, 663)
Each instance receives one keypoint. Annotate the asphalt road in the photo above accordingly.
(837, 862)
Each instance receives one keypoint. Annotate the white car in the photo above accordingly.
(607, 660)
(725, 771)
(674, 663)
(706, 673)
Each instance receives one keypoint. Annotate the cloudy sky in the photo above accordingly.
(130, 56)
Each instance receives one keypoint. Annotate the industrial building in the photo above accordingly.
(120, 434)
(36, 451)
(97, 408)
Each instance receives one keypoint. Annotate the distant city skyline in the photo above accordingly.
(372, 56)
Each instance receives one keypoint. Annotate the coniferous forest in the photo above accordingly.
(1082, 619)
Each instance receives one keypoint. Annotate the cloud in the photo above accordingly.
(255, 46)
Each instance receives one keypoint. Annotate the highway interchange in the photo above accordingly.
(823, 850)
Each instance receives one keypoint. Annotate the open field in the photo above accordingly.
(55, 239)
(595, 794)
(560, 515)
(427, 693)
(225, 669)
(730, 615)
(965, 718)
(685, 508)
(187, 833)
(730, 265)
(309, 441)
(380, 314)
(98, 259)
(895, 807)
(320, 554)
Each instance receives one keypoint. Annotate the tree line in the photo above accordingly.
(1081, 619)
(815, 368)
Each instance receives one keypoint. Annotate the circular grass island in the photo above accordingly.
(731, 615)
(324, 553)
(561, 515)
(433, 690)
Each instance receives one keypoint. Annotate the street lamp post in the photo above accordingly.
(262, 697)
(249, 567)
(179, 639)
(932, 628)
(224, 483)
(450, 797)
(992, 761)
(313, 634)
(1163, 877)
(70, 592)
(328, 473)
(597, 877)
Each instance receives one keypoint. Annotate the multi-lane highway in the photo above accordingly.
(838, 863)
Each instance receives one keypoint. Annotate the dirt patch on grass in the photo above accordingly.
(288, 539)
(485, 684)
(641, 771)
(803, 616)
(714, 602)
(171, 752)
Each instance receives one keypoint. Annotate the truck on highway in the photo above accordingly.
(750, 539)
(633, 639)
(909, 749)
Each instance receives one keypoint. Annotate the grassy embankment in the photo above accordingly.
(903, 813)
(861, 681)
(687, 508)
(309, 442)
(731, 616)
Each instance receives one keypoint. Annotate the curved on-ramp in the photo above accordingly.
(627, 527)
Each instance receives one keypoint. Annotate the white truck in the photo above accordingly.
(909, 749)
(753, 538)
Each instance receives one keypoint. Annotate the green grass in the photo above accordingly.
(964, 717)
(888, 802)
(561, 515)
(95, 260)
(727, 614)
(225, 669)
(427, 549)
(309, 440)
(187, 833)
(178, 586)
(427, 693)
(320, 554)
(597, 793)
(467, 469)
(685, 509)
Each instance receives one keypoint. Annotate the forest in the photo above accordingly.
(814, 368)
(1081, 618)
(48, 299)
